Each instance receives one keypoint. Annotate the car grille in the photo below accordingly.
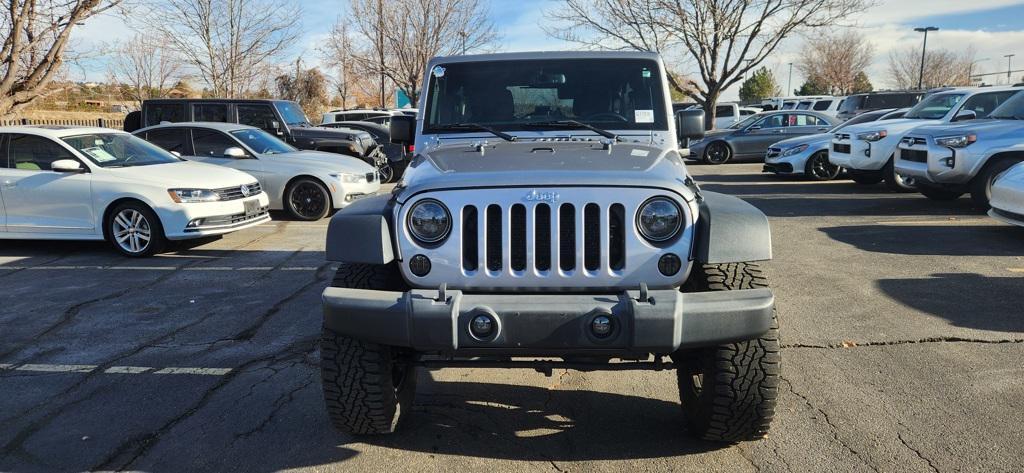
(841, 148)
(915, 155)
(913, 141)
(842, 136)
(773, 152)
(235, 193)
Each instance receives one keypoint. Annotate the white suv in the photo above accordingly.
(867, 150)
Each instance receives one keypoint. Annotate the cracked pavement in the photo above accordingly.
(901, 322)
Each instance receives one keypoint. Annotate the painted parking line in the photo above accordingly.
(971, 221)
(1015, 270)
(53, 368)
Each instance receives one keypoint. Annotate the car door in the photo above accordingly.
(38, 200)
(208, 146)
(799, 124)
(756, 138)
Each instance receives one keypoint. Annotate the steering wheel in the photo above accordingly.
(613, 115)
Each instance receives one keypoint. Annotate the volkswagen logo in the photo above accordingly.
(245, 190)
(535, 196)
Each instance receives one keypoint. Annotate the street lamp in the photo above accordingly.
(924, 48)
(1009, 61)
(789, 84)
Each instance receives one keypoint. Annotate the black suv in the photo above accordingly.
(859, 103)
(282, 118)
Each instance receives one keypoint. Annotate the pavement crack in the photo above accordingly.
(834, 428)
(279, 404)
(917, 452)
(926, 340)
(249, 332)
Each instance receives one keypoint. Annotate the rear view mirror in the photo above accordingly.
(689, 125)
(403, 130)
(66, 165)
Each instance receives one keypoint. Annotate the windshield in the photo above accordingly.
(862, 118)
(746, 122)
(934, 107)
(115, 150)
(262, 142)
(292, 113)
(1012, 108)
(511, 95)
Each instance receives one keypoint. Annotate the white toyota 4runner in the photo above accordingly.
(548, 222)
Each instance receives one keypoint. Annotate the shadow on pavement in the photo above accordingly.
(965, 300)
(935, 240)
(532, 423)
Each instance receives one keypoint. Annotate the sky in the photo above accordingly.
(993, 28)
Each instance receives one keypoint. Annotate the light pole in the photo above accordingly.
(924, 49)
(1009, 61)
(462, 34)
(970, 69)
(789, 84)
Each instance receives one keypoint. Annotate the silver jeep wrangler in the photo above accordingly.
(547, 221)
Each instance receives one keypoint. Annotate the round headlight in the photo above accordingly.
(429, 221)
(659, 219)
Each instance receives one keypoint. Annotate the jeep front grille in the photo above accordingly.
(580, 238)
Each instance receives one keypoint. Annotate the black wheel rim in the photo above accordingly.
(717, 153)
(308, 200)
(822, 168)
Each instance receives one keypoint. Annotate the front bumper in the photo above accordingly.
(203, 219)
(1007, 201)
(792, 164)
(437, 321)
(925, 161)
(343, 194)
(860, 155)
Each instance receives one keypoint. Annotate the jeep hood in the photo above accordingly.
(543, 163)
(987, 127)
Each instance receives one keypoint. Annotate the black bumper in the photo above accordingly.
(777, 168)
(549, 324)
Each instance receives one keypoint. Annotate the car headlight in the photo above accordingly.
(659, 219)
(193, 195)
(872, 135)
(349, 178)
(958, 141)
(795, 150)
(429, 221)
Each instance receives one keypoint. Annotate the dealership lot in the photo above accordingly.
(903, 352)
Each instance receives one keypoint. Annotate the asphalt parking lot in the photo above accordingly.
(902, 324)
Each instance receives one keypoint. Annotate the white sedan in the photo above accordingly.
(1007, 199)
(75, 183)
(306, 184)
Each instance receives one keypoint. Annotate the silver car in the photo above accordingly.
(1008, 196)
(751, 137)
(306, 184)
(808, 155)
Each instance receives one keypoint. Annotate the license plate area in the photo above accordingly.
(252, 207)
(839, 148)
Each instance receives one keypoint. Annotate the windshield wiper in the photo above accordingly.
(475, 126)
(575, 124)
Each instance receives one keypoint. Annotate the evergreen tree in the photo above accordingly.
(760, 85)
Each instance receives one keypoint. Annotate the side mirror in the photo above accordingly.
(276, 125)
(965, 115)
(66, 165)
(689, 125)
(176, 154)
(235, 152)
(403, 130)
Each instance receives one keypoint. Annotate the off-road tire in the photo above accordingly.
(740, 404)
(368, 387)
(866, 179)
(935, 193)
(981, 185)
(893, 181)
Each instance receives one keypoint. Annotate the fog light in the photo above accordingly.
(669, 264)
(195, 223)
(950, 162)
(482, 326)
(867, 152)
(419, 265)
(601, 326)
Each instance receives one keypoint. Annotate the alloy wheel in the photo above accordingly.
(822, 169)
(131, 231)
(308, 200)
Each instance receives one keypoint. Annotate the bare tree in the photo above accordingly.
(339, 53)
(147, 67)
(35, 43)
(836, 59)
(941, 68)
(229, 43)
(724, 38)
(398, 37)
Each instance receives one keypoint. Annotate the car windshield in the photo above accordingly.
(527, 94)
(292, 113)
(934, 107)
(1012, 108)
(262, 142)
(862, 118)
(116, 150)
(745, 122)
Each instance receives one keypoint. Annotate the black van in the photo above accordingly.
(859, 103)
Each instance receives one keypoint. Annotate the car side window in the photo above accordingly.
(723, 111)
(3, 152)
(210, 112)
(257, 115)
(983, 104)
(170, 139)
(210, 143)
(773, 121)
(822, 105)
(800, 119)
(157, 113)
(35, 153)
